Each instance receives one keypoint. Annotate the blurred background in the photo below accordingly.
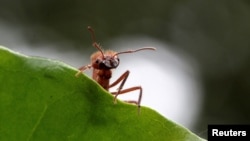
(199, 73)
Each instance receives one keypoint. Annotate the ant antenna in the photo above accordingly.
(132, 51)
(94, 40)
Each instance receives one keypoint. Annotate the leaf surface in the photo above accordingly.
(42, 100)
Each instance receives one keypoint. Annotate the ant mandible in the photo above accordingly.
(103, 63)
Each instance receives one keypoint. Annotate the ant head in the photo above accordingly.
(109, 61)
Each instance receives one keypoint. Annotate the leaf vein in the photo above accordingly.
(38, 122)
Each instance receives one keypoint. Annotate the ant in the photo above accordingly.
(103, 63)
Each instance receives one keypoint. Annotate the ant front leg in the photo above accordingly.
(123, 78)
(81, 69)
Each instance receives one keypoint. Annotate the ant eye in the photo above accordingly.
(97, 61)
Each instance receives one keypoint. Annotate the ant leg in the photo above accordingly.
(122, 78)
(81, 69)
(132, 101)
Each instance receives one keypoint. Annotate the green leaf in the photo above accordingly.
(42, 100)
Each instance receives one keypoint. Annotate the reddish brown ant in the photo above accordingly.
(103, 63)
